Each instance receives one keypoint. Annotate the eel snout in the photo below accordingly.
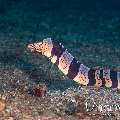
(31, 47)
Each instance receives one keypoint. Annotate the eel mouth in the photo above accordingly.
(31, 48)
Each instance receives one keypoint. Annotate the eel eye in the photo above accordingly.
(42, 47)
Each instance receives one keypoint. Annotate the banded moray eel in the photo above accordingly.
(73, 68)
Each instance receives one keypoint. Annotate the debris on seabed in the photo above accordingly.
(39, 90)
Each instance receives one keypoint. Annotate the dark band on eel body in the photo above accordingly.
(57, 50)
(101, 77)
(91, 77)
(73, 69)
(113, 76)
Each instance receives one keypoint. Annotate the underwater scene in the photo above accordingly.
(37, 38)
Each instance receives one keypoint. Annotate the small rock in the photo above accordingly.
(70, 108)
(80, 104)
(45, 118)
(82, 116)
(2, 105)
(27, 117)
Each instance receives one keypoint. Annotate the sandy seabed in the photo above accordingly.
(17, 102)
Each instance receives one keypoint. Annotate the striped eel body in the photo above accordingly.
(73, 68)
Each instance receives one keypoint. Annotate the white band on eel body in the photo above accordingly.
(65, 61)
(82, 76)
(106, 76)
(54, 59)
(118, 78)
(49, 44)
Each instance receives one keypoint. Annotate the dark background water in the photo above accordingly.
(29, 15)
(90, 29)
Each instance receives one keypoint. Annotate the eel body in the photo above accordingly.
(72, 68)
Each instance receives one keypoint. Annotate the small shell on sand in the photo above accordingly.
(9, 118)
(2, 105)
(27, 117)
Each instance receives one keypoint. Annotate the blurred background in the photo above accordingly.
(89, 29)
